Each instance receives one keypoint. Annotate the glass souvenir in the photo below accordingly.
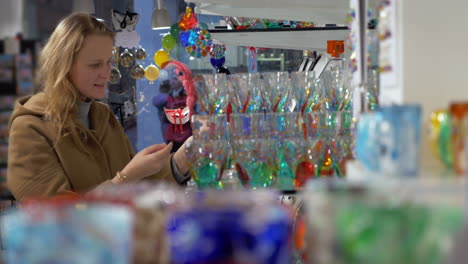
(416, 221)
(199, 43)
(439, 136)
(115, 56)
(137, 72)
(151, 73)
(140, 54)
(459, 124)
(161, 57)
(240, 22)
(115, 76)
(247, 97)
(48, 233)
(276, 91)
(175, 30)
(217, 52)
(303, 88)
(388, 141)
(207, 159)
(212, 92)
(168, 42)
(272, 23)
(255, 162)
(188, 20)
(288, 153)
(126, 59)
(337, 95)
(308, 164)
(217, 63)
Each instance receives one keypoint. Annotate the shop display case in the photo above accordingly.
(315, 39)
(332, 13)
(325, 11)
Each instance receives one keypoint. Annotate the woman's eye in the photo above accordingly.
(95, 65)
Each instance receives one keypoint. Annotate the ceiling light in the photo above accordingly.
(160, 18)
(84, 6)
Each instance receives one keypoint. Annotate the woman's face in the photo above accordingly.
(91, 68)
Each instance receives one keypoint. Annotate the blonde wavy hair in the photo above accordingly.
(55, 62)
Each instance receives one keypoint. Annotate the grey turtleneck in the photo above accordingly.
(83, 112)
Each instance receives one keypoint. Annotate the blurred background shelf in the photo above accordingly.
(284, 38)
(321, 11)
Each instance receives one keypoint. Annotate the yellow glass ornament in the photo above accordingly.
(161, 57)
(151, 73)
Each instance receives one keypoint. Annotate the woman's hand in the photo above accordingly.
(181, 159)
(147, 162)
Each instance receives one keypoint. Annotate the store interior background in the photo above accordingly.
(36, 19)
(432, 56)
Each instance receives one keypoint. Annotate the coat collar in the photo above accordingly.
(35, 105)
(99, 115)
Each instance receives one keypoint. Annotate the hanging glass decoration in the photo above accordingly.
(140, 54)
(188, 20)
(115, 76)
(240, 22)
(115, 56)
(205, 33)
(202, 45)
(151, 73)
(168, 42)
(184, 38)
(126, 59)
(137, 72)
(217, 51)
(175, 30)
(194, 35)
(217, 62)
(161, 57)
(203, 25)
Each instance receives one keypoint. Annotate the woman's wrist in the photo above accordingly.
(180, 160)
(119, 178)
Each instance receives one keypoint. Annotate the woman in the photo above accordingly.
(61, 139)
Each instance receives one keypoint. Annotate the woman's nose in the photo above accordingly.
(106, 72)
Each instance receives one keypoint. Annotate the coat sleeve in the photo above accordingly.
(33, 167)
(165, 173)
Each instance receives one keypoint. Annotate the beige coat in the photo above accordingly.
(38, 168)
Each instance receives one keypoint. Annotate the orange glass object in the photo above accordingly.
(188, 20)
(300, 234)
(327, 167)
(304, 171)
(459, 119)
(335, 48)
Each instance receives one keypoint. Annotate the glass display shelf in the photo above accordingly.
(314, 38)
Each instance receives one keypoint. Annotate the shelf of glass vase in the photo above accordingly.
(314, 38)
(321, 11)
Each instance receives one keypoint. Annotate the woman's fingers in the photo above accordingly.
(154, 148)
(165, 151)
